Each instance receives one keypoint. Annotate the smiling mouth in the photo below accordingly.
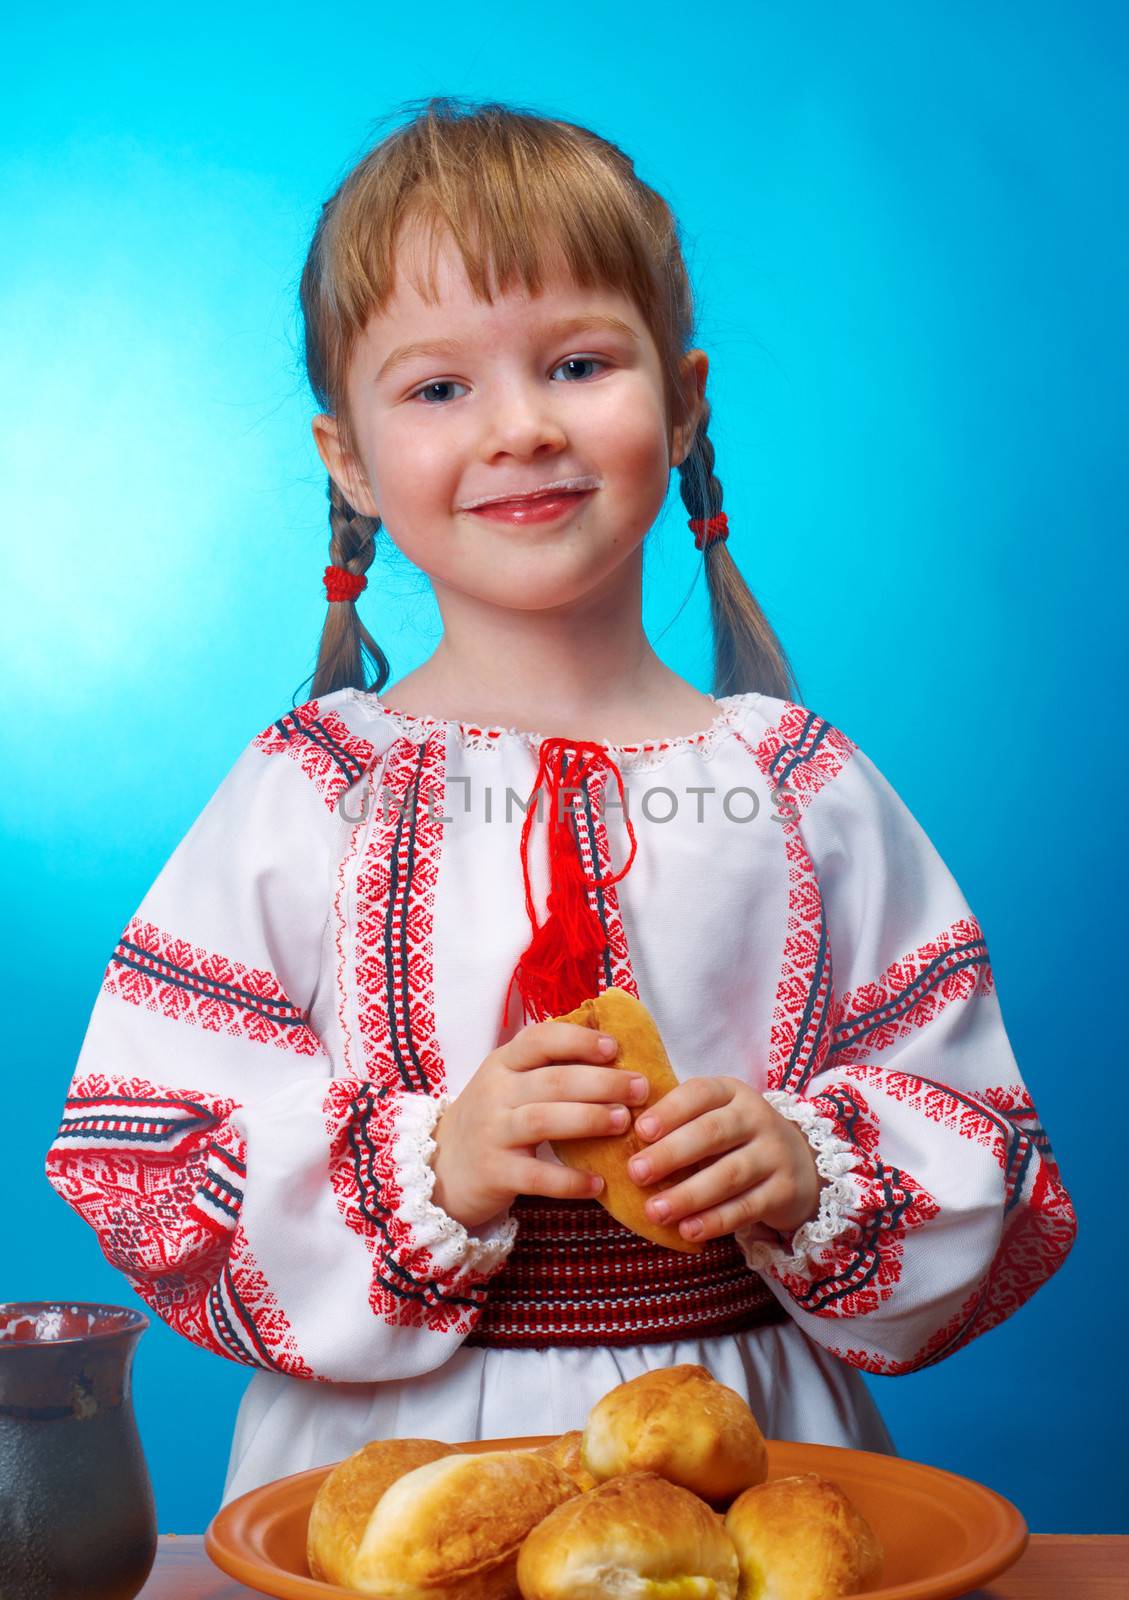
(549, 491)
(544, 507)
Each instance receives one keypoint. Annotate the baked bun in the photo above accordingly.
(451, 1529)
(637, 1537)
(565, 1451)
(800, 1538)
(343, 1504)
(641, 1050)
(679, 1422)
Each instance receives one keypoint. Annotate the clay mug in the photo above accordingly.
(76, 1504)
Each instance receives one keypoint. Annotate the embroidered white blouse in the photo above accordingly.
(322, 963)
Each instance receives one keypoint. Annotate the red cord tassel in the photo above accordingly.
(560, 967)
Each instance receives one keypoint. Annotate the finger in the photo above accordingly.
(569, 1081)
(527, 1175)
(552, 1119)
(678, 1105)
(720, 1181)
(739, 1211)
(711, 1134)
(542, 1042)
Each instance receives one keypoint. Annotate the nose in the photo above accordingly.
(521, 422)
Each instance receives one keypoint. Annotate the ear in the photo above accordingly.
(341, 466)
(695, 366)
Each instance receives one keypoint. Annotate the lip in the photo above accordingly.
(533, 508)
(558, 486)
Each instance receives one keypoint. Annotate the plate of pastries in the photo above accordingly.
(669, 1492)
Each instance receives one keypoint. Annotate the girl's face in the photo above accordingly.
(525, 392)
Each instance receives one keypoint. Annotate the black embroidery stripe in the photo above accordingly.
(399, 899)
(253, 1332)
(99, 1110)
(1021, 1143)
(927, 979)
(82, 1130)
(427, 1291)
(822, 979)
(178, 977)
(318, 734)
(788, 748)
(229, 1334)
(594, 851)
(849, 1280)
(801, 754)
(234, 1161)
(212, 1198)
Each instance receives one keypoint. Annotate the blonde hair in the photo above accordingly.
(511, 186)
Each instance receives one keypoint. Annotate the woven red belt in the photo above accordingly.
(577, 1276)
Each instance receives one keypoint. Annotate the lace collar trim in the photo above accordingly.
(649, 752)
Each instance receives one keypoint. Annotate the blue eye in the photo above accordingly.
(439, 383)
(574, 361)
(448, 383)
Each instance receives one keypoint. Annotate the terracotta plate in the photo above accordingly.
(943, 1535)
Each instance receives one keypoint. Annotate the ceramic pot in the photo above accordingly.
(76, 1503)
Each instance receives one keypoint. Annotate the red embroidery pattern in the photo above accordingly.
(406, 1288)
(247, 1320)
(347, 874)
(799, 1036)
(967, 1114)
(219, 1199)
(860, 1270)
(1000, 1119)
(576, 1276)
(394, 900)
(170, 976)
(802, 754)
(798, 757)
(1032, 1249)
(395, 905)
(604, 902)
(145, 1214)
(912, 991)
(330, 755)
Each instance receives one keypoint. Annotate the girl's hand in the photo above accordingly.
(544, 1083)
(764, 1171)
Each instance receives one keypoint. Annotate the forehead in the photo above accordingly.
(432, 296)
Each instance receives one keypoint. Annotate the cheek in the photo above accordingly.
(415, 464)
(631, 435)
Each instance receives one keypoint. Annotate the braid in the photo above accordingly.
(701, 491)
(747, 652)
(345, 641)
(351, 535)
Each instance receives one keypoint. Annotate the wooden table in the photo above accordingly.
(1055, 1566)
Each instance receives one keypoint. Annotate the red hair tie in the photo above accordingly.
(707, 529)
(341, 584)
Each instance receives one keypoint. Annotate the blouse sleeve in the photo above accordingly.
(266, 1209)
(942, 1208)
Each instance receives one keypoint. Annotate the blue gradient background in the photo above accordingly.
(907, 228)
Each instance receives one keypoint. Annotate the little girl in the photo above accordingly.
(310, 1121)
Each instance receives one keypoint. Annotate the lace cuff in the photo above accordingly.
(451, 1248)
(838, 1208)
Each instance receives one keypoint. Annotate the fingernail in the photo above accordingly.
(647, 1126)
(639, 1167)
(660, 1209)
(620, 1117)
(595, 1183)
(640, 1088)
(691, 1230)
(608, 1046)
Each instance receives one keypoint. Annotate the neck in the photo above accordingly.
(587, 665)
